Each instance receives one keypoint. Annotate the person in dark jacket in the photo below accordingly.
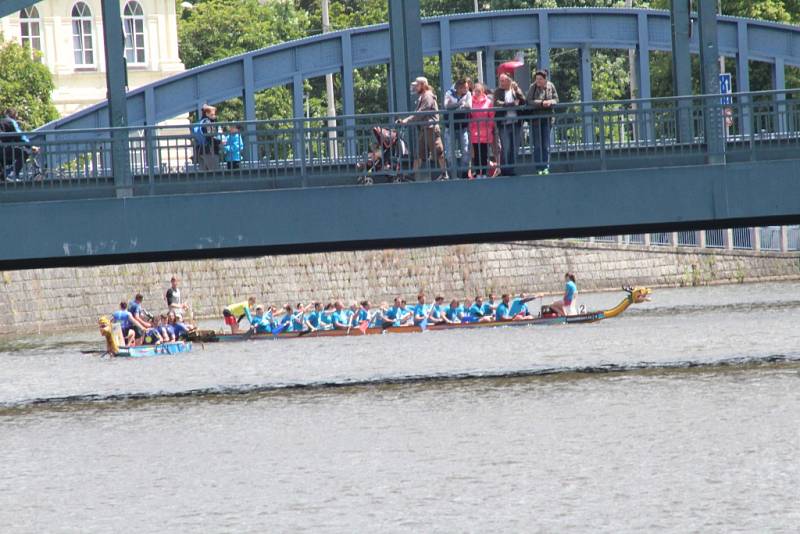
(542, 97)
(16, 145)
(206, 138)
(509, 128)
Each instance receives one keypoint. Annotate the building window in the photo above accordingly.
(133, 24)
(30, 30)
(82, 41)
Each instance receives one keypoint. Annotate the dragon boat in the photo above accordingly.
(635, 295)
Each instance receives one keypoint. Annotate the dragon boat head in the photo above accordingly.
(637, 295)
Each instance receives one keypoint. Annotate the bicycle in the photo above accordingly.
(31, 169)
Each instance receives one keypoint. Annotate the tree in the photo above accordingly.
(25, 85)
(216, 29)
(219, 28)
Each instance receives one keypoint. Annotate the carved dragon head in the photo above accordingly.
(637, 295)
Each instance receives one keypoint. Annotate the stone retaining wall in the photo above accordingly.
(69, 298)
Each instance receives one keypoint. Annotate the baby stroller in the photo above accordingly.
(389, 157)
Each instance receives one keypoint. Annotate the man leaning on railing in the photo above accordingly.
(542, 97)
(429, 139)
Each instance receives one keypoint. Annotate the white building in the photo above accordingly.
(69, 35)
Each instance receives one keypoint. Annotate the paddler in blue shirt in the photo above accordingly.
(312, 320)
(421, 310)
(132, 329)
(340, 317)
(453, 312)
(519, 307)
(407, 317)
(287, 319)
(437, 311)
(503, 311)
(489, 306)
(352, 313)
(363, 313)
(326, 319)
(395, 314)
(260, 323)
(153, 335)
(480, 311)
(299, 318)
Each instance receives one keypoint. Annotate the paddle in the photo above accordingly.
(280, 328)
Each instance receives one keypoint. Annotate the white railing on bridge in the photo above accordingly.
(764, 239)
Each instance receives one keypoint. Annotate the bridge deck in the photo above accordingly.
(618, 168)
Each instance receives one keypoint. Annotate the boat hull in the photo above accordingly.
(544, 321)
(147, 351)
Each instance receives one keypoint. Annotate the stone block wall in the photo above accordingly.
(35, 301)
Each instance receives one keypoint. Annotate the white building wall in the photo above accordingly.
(79, 86)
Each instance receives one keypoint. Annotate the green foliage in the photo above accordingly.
(25, 85)
(219, 28)
(216, 29)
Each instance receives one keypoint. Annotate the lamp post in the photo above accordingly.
(480, 53)
(332, 146)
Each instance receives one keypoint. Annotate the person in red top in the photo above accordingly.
(481, 129)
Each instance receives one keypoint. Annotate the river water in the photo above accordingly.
(683, 415)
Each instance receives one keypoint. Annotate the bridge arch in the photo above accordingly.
(343, 51)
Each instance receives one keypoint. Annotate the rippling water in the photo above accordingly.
(696, 429)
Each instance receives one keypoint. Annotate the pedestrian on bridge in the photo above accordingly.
(542, 97)
(507, 98)
(458, 101)
(233, 144)
(207, 140)
(429, 138)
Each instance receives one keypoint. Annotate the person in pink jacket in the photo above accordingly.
(481, 129)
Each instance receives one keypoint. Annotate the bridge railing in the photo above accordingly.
(364, 149)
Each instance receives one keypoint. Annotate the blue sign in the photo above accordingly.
(725, 88)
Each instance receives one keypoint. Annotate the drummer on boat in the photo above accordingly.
(566, 305)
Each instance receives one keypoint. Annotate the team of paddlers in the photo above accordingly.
(133, 325)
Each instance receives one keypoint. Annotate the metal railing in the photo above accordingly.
(375, 148)
(765, 239)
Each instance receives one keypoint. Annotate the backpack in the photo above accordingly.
(7, 127)
(198, 131)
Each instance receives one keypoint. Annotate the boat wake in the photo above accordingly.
(564, 372)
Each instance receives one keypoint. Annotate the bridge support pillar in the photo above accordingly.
(300, 125)
(543, 50)
(709, 69)
(779, 84)
(249, 98)
(642, 58)
(405, 36)
(585, 58)
(681, 67)
(116, 80)
(489, 69)
(445, 58)
(743, 79)
(348, 95)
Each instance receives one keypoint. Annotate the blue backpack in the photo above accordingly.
(198, 132)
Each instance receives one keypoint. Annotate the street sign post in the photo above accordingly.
(725, 88)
